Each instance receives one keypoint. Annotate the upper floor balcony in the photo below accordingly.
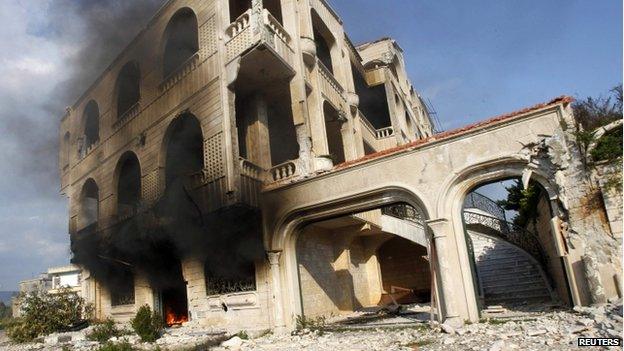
(258, 38)
(376, 138)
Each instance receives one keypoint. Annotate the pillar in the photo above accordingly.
(276, 284)
(193, 273)
(440, 231)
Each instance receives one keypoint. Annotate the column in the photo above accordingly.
(276, 283)
(440, 230)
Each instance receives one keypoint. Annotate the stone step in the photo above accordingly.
(512, 281)
(507, 270)
(522, 293)
(507, 275)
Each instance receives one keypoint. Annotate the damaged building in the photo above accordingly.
(242, 163)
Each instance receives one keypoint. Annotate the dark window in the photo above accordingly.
(128, 88)
(181, 40)
(128, 186)
(185, 148)
(333, 126)
(92, 123)
(233, 278)
(237, 8)
(122, 291)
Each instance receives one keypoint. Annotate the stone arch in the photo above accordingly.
(182, 148)
(282, 237)
(127, 184)
(91, 126)
(89, 204)
(457, 188)
(127, 88)
(180, 40)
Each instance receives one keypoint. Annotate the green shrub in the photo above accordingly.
(104, 331)
(312, 324)
(147, 325)
(122, 346)
(44, 314)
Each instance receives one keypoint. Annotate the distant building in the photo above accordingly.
(52, 282)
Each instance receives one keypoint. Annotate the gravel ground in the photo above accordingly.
(553, 330)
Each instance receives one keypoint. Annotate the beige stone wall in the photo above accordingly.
(404, 265)
(336, 275)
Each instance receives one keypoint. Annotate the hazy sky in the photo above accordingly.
(472, 59)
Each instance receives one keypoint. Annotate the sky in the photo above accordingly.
(473, 60)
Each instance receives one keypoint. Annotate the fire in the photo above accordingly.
(172, 318)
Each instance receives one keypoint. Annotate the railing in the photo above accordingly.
(384, 132)
(180, 72)
(509, 232)
(241, 36)
(330, 87)
(283, 171)
(484, 203)
(405, 212)
(239, 25)
(276, 27)
(253, 171)
(380, 139)
(131, 112)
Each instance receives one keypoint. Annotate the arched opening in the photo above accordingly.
(512, 246)
(91, 119)
(65, 149)
(185, 148)
(128, 88)
(181, 41)
(238, 7)
(89, 204)
(323, 40)
(333, 130)
(128, 185)
(365, 262)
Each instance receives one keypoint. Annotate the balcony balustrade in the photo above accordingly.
(379, 139)
(251, 29)
(330, 87)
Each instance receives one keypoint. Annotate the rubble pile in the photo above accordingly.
(552, 330)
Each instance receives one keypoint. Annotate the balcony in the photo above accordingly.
(331, 89)
(378, 139)
(263, 46)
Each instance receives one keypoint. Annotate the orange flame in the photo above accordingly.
(172, 318)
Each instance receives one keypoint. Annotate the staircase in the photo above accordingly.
(508, 275)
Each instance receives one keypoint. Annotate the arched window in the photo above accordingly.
(185, 148)
(333, 126)
(128, 185)
(89, 204)
(91, 123)
(180, 40)
(65, 151)
(128, 88)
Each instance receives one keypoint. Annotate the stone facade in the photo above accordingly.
(279, 115)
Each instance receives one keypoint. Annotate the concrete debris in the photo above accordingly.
(555, 330)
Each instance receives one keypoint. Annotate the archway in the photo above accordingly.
(91, 119)
(128, 185)
(181, 40)
(513, 250)
(364, 262)
(184, 149)
(128, 88)
(89, 204)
